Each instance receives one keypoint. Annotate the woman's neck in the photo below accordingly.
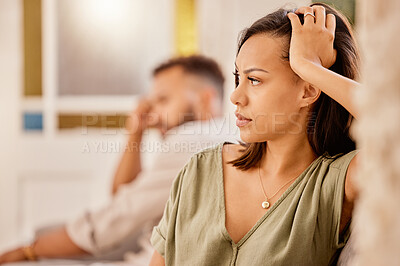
(287, 156)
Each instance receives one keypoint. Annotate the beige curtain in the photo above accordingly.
(377, 214)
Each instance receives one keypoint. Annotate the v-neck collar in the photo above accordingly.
(269, 211)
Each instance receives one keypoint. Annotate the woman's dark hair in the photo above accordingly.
(329, 122)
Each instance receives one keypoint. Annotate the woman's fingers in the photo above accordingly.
(308, 19)
(295, 21)
(321, 19)
(303, 9)
(331, 23)
(319, 15)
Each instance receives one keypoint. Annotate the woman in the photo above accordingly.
(285, 197)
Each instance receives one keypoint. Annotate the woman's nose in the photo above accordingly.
(238, 96)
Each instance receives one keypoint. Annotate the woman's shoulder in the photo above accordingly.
(341, 160)
(227, 150)
(231, 151)
(334, 169)
(208, 163)
(207, 154)
(205, 160)
(203, 169)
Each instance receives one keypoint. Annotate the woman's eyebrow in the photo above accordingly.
(247, 71)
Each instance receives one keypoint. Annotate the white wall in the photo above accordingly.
(220, 23)
(10, 89)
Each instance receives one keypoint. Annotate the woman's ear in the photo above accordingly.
(310, 95)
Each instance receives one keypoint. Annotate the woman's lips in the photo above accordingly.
(241, 120)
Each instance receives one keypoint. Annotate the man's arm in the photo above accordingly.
(53, 244)
(57, 244)
(130, 165)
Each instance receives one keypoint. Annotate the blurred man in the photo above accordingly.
(185, 104)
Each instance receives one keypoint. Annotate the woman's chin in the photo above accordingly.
(251, 138)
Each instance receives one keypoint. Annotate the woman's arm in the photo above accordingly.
(312, 53)
(157, 259)
(350, 193)
(336, 86)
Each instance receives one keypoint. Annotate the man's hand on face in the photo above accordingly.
(12, 256)
(140, 119)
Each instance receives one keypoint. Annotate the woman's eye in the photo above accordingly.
(254, 82)
(237, 78)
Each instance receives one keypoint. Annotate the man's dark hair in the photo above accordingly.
(198, 65)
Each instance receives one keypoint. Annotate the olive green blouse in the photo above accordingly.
(301, 228)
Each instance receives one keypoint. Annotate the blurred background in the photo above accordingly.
(71, 71)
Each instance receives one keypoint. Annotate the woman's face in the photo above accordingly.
(268, 93)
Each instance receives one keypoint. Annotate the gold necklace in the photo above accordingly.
(265, 204)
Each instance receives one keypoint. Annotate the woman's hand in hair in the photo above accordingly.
(312, 41)
(311, 54)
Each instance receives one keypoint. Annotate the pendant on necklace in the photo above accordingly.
(265, 204)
